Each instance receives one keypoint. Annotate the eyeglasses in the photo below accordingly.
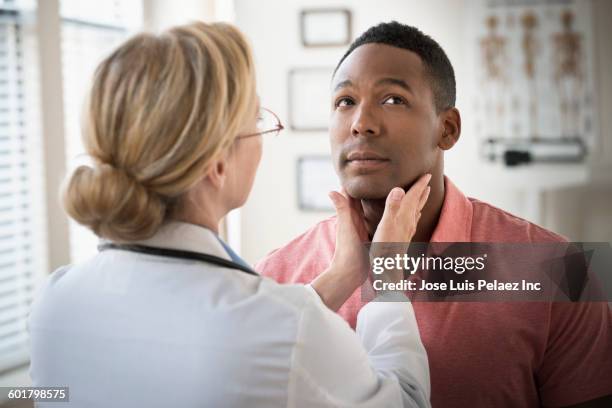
(267, 123)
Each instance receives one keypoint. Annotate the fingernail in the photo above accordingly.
(396, 194)
(428, 176)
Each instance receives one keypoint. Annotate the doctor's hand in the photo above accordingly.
(398, 225)
(402, 212)
(350, 265)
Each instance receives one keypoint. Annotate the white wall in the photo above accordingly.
(271, 216)
(162, 14)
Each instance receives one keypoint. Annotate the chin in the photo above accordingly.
(366, 189)
(238, 201)
(241, 202)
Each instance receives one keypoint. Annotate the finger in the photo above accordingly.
(423, 198)
(394, 198)
(392, 204)
(355, 205)
(418, 187)
(421, 204)
(412, 201)
(341, 203)
(388, 221)
(357, 215)
(343, 212)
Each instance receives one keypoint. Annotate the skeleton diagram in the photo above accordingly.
(568, 74)
(495, 60)
(531, 47)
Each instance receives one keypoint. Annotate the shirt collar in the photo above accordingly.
(455, 222)
(186, 237)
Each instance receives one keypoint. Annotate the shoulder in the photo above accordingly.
(306, 254)
(490, 223)
(190, 290)
(293, 297)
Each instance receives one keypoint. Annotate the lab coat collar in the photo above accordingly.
(186, 237)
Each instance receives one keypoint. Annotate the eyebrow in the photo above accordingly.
(394, 81)
(384, 81)
(343, 84)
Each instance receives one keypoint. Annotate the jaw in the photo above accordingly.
(367, 187)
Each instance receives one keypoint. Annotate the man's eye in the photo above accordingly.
(344, 102)
(394, 100)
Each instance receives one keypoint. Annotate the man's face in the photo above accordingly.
(384, 129)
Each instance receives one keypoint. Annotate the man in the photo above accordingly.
(393, 118)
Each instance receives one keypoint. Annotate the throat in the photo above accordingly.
(373, 211)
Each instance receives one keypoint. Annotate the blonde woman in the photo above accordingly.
(166, 314)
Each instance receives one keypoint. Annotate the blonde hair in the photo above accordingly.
(160, 111)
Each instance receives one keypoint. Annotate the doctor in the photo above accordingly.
(166, 314)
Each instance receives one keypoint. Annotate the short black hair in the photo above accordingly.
(437, 66)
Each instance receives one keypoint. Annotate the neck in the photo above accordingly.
(203, 220)
(373, 211)
(193, 210)
(211, 224)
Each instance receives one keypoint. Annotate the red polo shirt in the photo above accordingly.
(484, 354)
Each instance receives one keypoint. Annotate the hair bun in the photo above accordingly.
(112, 203)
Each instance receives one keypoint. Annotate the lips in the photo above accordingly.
(364, 161)
(363, 156)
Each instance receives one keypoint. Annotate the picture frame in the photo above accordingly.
(308, 99)
(315, 179)
(325, 27)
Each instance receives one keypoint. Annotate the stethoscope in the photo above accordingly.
(177, 254)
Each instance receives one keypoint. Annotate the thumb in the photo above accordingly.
(387, 225)
(394, 202)
(341, 205)
(343, 219)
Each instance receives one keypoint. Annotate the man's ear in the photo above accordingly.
(217, 172)
(451, 128)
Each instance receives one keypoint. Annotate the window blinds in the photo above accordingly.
(22, 231)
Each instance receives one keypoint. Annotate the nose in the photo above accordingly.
(365, 122)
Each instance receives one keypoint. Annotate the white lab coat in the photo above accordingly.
(134, 330)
